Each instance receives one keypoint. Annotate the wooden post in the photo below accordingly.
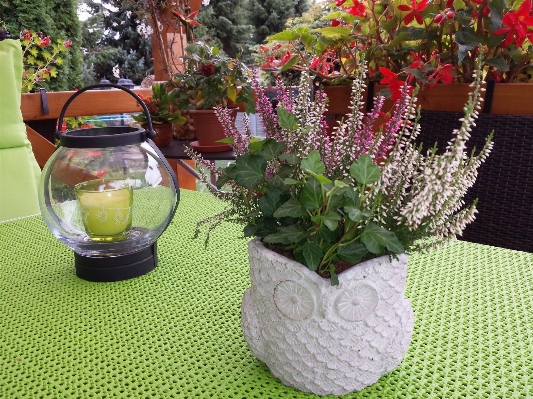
(169, 34)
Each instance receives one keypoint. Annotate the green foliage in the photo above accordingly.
(111, 38)
(225, 25)
(269, 16)
(321, 219)
(211, 79)
(160, 105)
(56, 19)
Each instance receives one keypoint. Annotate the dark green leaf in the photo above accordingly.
(285, 171)
(249, 230)
(312, 254)
(352, 197)
(352, 252)
(327, 235)
(311, 195)
(291, 159)
(270, 202)
(333, 276)
(313, 163)
(287, 120)
(276, 182)
(331, 220)
(271, 149)
(291, 182)
(294, 233)
(277, 238)
(498, 63)
(250, 170)
(497, 8)
(375, 238)
(266, 226)
(291, 208)
(364, 170)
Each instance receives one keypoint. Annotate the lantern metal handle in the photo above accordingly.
(150, 133)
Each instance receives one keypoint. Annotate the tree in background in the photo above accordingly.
(116, 42)
(56, 19)
(225, 24)
(269, 16)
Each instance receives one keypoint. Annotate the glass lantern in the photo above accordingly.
(108, 194)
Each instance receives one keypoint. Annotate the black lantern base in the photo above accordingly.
(116, 268)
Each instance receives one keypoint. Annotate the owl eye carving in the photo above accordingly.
(293, 300)
(357, 303)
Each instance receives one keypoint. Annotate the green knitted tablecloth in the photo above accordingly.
(175, 332)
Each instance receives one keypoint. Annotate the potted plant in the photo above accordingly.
(159, 105)
(334, 219)
(422, 42)
(211, 79)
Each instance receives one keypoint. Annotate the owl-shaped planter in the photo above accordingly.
(321, 338)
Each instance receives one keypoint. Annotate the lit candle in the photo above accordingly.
(106, 208)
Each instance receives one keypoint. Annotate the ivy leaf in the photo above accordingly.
(291, 159)
(290, 208)
(313, 163)
(364, 170)
(292, 182)
(287, 235)
(311, 195)
(352, 252)
(271, 149)
(331, 220)
(355, 214)
(375, 238)
(352, 197)
(249, 230)
(250, 170)
(312, 254)
(287, 120)
(270, 202)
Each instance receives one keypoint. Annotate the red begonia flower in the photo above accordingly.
(414, 11)
(516, 25)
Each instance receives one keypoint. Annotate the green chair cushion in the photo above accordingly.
(19, 171)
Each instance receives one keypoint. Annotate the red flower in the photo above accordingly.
(442, 73)
(67, 43)
(357, 9)
(336, 22)
(339, 2)
(395, 86)
(207, 69)
(516, 25)
(45, 42)
(414, 11)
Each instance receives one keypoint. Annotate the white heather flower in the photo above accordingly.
(106, 13)
(116, 71)
(205, 2)
(128, 14)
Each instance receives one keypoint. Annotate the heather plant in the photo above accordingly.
(365, 191)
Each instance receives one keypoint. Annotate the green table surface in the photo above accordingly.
(175, 332)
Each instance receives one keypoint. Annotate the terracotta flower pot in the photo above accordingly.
(164, 134)
(208, 128)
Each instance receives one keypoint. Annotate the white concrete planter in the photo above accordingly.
(324, 339)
